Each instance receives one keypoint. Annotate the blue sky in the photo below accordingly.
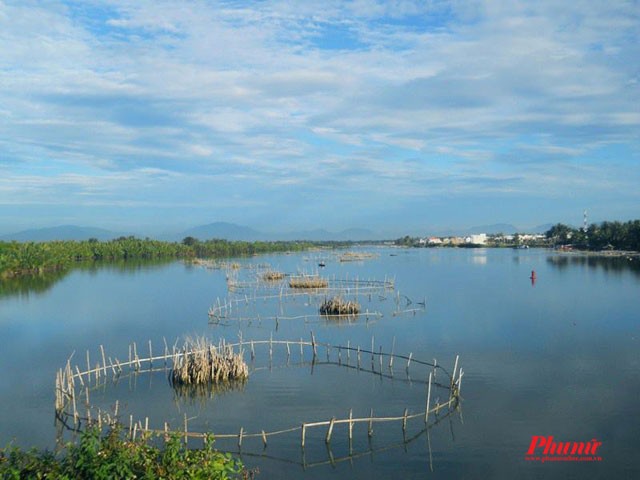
(398, 116)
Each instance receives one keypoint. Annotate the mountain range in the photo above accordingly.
(223, 230)
(232, 231)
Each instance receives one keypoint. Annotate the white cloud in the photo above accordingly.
(265, 93)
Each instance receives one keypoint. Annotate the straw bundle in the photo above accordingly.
(338, 306)
(308, 281)
(272, 275)
(202, 363)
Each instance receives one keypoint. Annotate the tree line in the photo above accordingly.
(602, 236)
(24, 258)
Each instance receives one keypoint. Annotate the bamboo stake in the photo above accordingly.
(104, 362)
(150, 355)
(426, 413)
(240, 437)
(372, 351)
(330, 431)
(455, 368)
(350, 424)
(264, 439)
(186, 425)
(370, 431)
(393, 347)
(404, 421)
(304, 428)
(79, 376)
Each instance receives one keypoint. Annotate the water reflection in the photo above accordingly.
(31, 284)
(609, 264)
(25, 285)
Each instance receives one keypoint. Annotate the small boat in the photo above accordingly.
(322, 264)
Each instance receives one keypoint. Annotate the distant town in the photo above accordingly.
(605, 236)
(522, 240)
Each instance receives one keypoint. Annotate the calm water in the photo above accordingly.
(556, 358)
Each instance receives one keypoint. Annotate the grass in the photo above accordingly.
(108, 455)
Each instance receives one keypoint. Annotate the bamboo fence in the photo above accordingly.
(73, 385)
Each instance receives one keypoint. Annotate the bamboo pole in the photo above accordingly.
(350, 424)
(393, 347)
(455, 368)
(304, 430)
(186, 425)
(104, 362)
(330, 431)
(426, 413)
(370, 430)
(79, 376)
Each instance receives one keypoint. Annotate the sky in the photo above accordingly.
(397, 116)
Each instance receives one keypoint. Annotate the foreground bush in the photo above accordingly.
(108, 456)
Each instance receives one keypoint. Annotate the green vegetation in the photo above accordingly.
(24, 258)
(108, 456)
(603, 236)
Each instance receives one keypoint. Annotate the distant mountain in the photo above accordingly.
(541, 228)
(232, 231)
(62, 232)
(225, 230)
(495, 228)
(354, 234)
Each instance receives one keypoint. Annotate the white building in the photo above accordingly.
(479, 239)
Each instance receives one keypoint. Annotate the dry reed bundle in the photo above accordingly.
(272, 275)
(338, 306)
(308, 281)
(356, 256)
(203, 363)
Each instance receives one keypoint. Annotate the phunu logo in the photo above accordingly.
(546, 449)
